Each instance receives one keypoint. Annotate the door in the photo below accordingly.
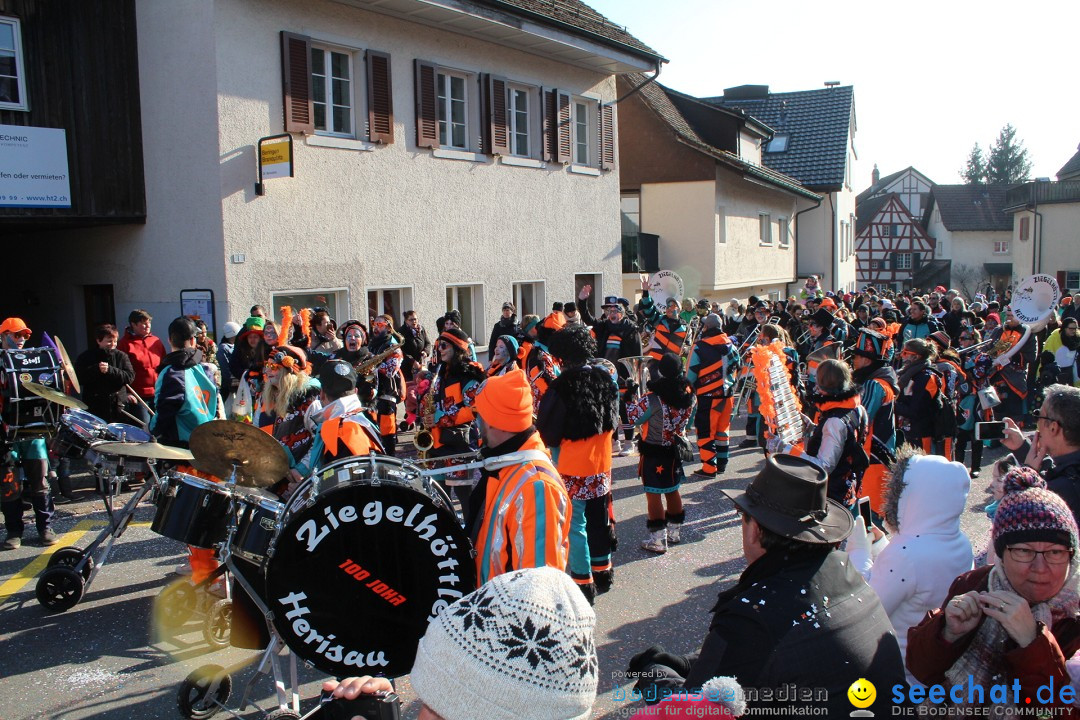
(98, 301)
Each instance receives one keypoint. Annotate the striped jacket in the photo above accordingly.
(526, 517)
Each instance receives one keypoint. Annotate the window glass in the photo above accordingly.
(519, 122)
(11, 92)
(581, 133)
(331, 91)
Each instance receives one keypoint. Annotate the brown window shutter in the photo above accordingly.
(1024, 223)
(562, 131)
(549, 121)
(607, 137)
(296, 83)
(380, 98)
(427, 106)
(498, 134)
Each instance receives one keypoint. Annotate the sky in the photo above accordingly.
(931, 78)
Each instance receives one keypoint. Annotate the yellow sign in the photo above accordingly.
(274, 154)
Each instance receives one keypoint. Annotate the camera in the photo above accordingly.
(370, 707)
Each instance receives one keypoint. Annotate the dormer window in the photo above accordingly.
(779, 143)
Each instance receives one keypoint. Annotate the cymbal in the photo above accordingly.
(221, 445)
(149, 450)
(65, 362)
(54, 395)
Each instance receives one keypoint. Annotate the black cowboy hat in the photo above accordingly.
(822, 318)
(788, 497)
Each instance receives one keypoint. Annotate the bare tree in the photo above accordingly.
(970, 279)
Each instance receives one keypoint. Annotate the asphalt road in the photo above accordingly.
(105, 658)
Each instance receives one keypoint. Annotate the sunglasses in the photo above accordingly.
(24, 334)
(443, 345)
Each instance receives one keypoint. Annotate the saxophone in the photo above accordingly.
(424, 440)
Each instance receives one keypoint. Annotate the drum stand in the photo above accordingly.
(70, 570)
(207, 689)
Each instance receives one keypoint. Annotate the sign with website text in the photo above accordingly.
(33, 167)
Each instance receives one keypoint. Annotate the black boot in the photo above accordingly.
(604, 580)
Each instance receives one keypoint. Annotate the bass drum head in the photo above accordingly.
(356, 573)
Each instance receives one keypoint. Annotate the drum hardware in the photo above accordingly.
(54, 396)
(65, 362)
(973, 348)
(238, 451)
(71, 570)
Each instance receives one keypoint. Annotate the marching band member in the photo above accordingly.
(33, 457)
(353, 349)
(519, 513)
(837, 441)
(920, 384)
(617, 338)
(540, 367)
(878, 389)
(668, 329)
(185, 397)
(452, 321)
(289, 395)
(968, 410)
(714, 366)
(454, 384)
(390, 383)
(951, 368)
(1018, 349)
(818, 328)
(577, 418)
(339, 425)
(663, 413)
(503, 356)
(919, 324)
(838, 330)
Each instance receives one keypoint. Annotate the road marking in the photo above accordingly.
(19, 580)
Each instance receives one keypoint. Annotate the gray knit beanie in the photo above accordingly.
(519, 648)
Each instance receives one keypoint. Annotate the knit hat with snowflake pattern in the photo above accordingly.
(519, 648)
(1029, 512)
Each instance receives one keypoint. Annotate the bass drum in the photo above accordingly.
(368, 552)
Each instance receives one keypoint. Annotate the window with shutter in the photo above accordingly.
(380, 98)
(427, 107)
(498, 132)
(12, 68)
(607, 137)
(296, 83)
(1025, 222)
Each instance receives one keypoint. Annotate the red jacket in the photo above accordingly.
(929, 655)
(146, 355)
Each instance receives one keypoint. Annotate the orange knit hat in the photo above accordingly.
(505, 402)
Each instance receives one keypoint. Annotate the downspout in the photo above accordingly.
(835, 267)
(639, 88)
(1036, 232)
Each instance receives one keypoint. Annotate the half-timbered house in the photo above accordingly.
(890, 246)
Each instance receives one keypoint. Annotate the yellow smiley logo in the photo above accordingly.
(862, 693)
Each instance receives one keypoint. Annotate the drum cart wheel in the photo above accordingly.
(175, 604)
(204, 692)
(71, 557)
(282, 714)
(217, 626)
(59, 588)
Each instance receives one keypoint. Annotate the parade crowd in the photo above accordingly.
(869, 411)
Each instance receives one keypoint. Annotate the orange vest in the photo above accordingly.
(353, 438)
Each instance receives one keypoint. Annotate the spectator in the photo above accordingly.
(800, 612)
(925, 496)
(415, 345)
(146, 353)
(1014, 622)
(506, 325)
(224, 357)
(104, 373)
(1055, 451)
(473, 661)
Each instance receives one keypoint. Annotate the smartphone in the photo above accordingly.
(864, 511)
(368, 707)
(989, 430)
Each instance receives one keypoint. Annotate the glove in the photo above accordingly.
(656, 655)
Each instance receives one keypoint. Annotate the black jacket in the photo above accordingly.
(629, 339)
(505, 326)
(104, 393)
(807, 619)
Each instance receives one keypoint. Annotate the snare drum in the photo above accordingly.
(122, 432)
(258, 521)
(78, 431)
(192, 510)
(368, 551)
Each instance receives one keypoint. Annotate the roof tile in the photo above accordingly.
(578, 15)
(971, 207)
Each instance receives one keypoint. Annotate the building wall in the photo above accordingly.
(649, 153)
(355, 219)
(819, 231)
(1057, 237)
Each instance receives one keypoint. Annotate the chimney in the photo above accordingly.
(876, 176)
(831, 83)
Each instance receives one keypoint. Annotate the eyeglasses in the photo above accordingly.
(442, 345)
(1039, 414)
(1056, 556)
(24, 334)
